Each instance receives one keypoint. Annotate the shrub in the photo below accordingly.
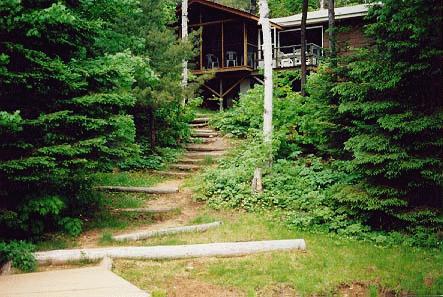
(20, 253)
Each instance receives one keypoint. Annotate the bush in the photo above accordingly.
(20, 253)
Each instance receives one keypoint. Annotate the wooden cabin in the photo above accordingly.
(231, 45)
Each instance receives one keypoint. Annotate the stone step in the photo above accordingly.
(225, 249)
(203, 148)
(164, 232)
(185, 167)
(204, 134)
(200, 120)
(147, 190)
(202, 155)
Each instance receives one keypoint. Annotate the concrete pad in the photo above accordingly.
(82, 282)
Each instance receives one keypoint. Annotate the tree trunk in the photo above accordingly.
(267, 52)
(184, 37)
(322, 4)
(332, 33)
(303, 46)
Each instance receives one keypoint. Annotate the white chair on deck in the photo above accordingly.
(231, 58)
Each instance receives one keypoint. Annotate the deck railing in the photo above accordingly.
(290, 56)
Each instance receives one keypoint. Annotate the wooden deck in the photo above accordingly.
(223, 70)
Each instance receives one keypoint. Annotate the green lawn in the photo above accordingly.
(329, 261)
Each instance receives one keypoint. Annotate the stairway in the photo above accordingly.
(206, 145)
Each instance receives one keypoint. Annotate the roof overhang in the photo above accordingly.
(321, 16)
(235, 11)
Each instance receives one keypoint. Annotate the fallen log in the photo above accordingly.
(168, 231)
(147, 190)
(227, 249)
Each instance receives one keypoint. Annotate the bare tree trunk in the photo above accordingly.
(322, 4)
(332, 33)
(303, 46)
(184, 37)
(267, 52)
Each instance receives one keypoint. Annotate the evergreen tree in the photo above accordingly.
(64, 111)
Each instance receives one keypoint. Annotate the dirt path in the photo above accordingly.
(197, 154)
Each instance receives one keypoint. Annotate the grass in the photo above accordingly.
(329, 261)
(129, 179)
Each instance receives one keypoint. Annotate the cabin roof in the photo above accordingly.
(321, 16)
(232, 10)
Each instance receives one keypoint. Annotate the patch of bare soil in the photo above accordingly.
(277, 290)
(186, 287)
(360, 289)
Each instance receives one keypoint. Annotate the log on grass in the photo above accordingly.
(228, 249)
(168, 231)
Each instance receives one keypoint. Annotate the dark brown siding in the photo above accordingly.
(349, 36)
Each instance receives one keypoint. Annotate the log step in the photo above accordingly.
(196, 161)
(200, 120)
(201, 148)
(202, 155)
(227, 249)
(202, 125)
(203, 131)
(203, 140)
(147, 210)
(185, 167)
(147, 190)
(163, 232)
(178, 174)
(204, 134)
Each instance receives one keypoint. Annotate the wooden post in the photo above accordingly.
(267, 50)
(201, 42)
(245, 45)
(223, 44)
(221, 95)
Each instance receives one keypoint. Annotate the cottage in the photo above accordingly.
(231, 44)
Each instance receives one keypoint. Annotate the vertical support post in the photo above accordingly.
(201, 41)
(201, 47)
(245, 45)
(332, 35)
(223, 44)
(221, 95)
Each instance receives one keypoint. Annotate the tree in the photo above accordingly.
(184, 19)
(267, 53)
(332, 31)
(64, 112)
(303, 46)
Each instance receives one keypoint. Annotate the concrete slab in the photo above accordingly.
(82, 282)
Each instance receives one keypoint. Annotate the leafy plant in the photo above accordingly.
(20, 253)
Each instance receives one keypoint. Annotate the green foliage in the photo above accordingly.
(64, 112)
(20, 253)
(374, 123)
